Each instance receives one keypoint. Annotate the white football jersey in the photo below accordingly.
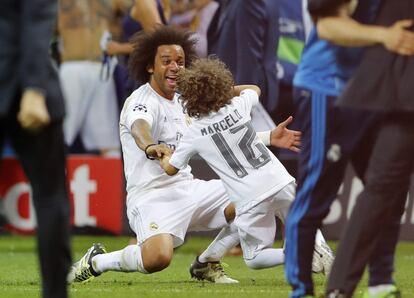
(227, 141)
(167, 122)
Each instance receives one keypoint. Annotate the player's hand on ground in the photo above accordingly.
(399, 39)
(282, 137)
(158, 151)
(33, 113)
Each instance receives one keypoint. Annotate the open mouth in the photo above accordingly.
(171, 81)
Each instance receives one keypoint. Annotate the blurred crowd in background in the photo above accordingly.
(261, 42)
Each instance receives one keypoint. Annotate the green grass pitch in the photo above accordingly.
(19, 274)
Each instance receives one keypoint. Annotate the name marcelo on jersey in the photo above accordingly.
(227, 122)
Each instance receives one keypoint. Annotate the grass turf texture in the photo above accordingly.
(19, 275)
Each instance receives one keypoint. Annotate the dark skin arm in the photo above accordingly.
(141, 132)
(168, 168)
(145, 12)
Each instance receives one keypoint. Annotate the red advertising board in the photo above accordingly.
(96, 194)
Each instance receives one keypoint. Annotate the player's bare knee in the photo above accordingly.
(230, 212)
(157, 262)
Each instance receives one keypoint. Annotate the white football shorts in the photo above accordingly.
(257, 226)
(194, 205)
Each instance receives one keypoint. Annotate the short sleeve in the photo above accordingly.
(133, 110)
(185, 150)
(248, 99)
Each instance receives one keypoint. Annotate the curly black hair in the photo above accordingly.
(145, 45)
(206, 86)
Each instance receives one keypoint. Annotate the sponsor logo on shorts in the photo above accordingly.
(140, 108)
(153, 226)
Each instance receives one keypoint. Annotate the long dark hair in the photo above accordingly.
(145, 45)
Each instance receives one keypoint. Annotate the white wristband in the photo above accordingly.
(265, 137)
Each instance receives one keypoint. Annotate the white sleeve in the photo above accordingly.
(264, 136)
(182, 155)
(250, 98)
(146, 110)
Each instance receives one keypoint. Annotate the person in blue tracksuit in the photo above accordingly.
(331, 136)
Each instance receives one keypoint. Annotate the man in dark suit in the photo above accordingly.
(382, 83)
(31, 114)
(244, 34)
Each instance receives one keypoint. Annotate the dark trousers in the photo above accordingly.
(387, 183)
(331, 137)
(43, 159)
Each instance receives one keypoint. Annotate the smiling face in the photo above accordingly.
(169, 59)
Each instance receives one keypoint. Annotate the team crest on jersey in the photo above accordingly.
(153, 226)
(140, 108)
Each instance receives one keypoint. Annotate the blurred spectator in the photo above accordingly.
(244, 34)
(332, 137)
(383, 83)
(194, 15)
(86, 75)
(31, 115)
(122, 48)
(145, 12)
(294, 26)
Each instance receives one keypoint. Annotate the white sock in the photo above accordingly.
(126, 260)
(225, 240)
(319, 237)
(378, 289)
(268, 257)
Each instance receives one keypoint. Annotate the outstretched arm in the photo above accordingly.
(282, 137)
